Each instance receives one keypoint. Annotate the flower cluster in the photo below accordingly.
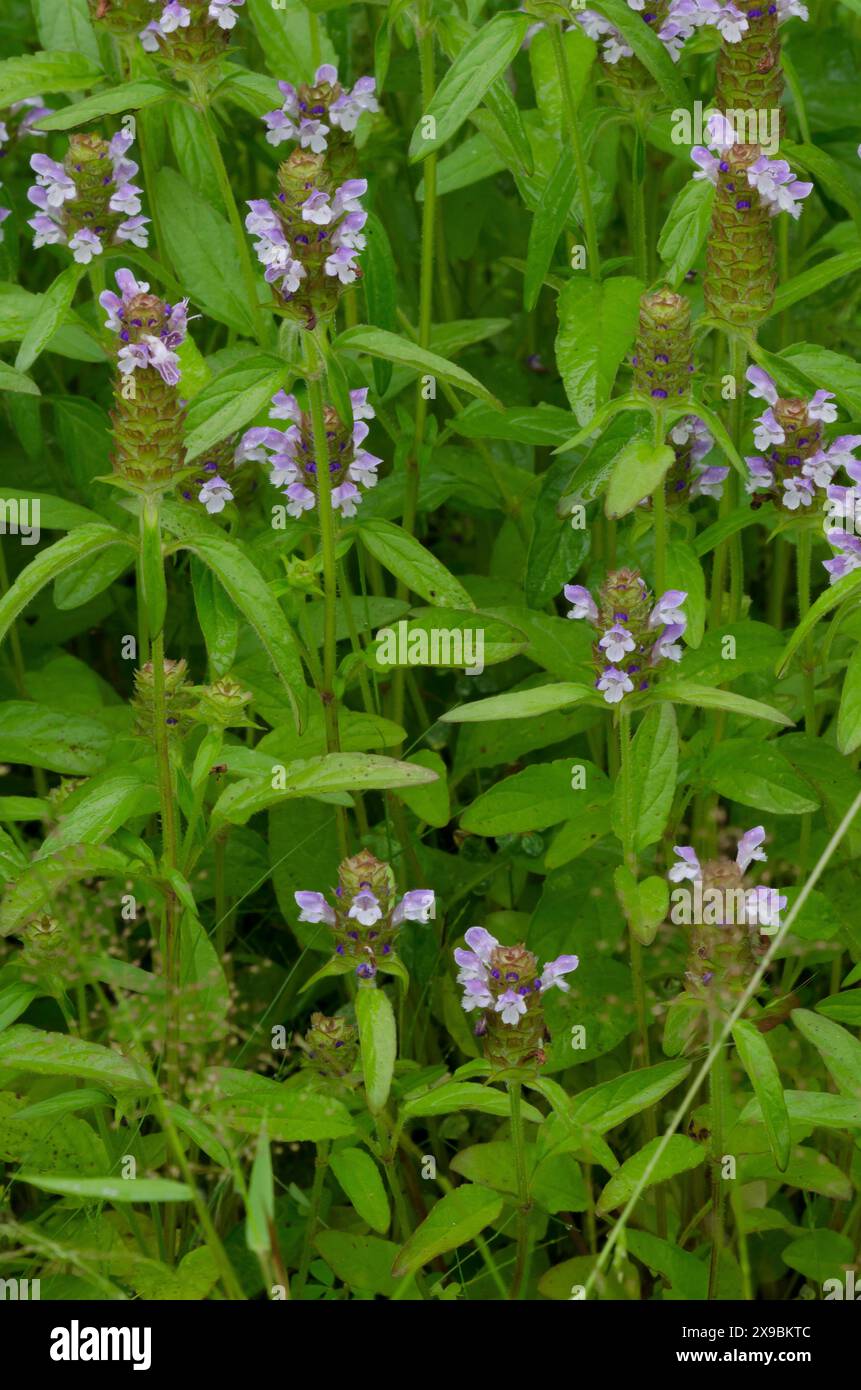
(749, 75)
(148, 415)
(149, 329)
(848, 557)
(366, 916)
(771, 179)
(88, 202)
(290, 454)
(673, 21)
(689, 477)
(507, 986)
(318, 115)
(309, 241)
(663, 359)
(793, 461)
(330, 1046)
(636, 635)
(190, 31)
(721, 955)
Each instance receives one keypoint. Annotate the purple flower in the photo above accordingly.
(613, 684)
(511, 1006)
(616, 643)
(749, 848)
(848, 557)
(584, 604)
(214, 494)
(668, 609)
(689, 867)
(555, 971)
(481, 942)
(415, 906)
(365, 908)
(79, 218)
(314, 908)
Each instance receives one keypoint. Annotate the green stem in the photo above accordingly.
(659, 512)
(321, 1164)
(638, 207)
(569, 107)
(521, 1266)
(803, 549)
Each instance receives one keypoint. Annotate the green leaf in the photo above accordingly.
(453, 1096)
(821, 1109)
(260, 1203)
(812, 281)
(246, 1103)
(291, 47)
(249, 593)
(363, 1263)
(710, 697)
(45, 72)
(12, 380)
(45, 737)
(110, 1189)
(430, 803)
(130, 96)
(826, 172)
(757, 774)
(457, 1217)
(85, 540)
(605, 1106)
(686, 228)
(65, 25)
(820, 1256)
(34, 1051)
(378, 1042)
(538, 797)
(680, 1156)
(408, 560)
(833, 596)
(762, 1070)
(360, 1178)
(840, 1052)
(849, 713)
(476, 67)
(54, 305)
(203, 251)
(229, 402)
(597, 325)
(654, 764)
(685, 572)
(377, 342)
(93, 812)
(842, 1008)
(639, 469)
(520, 704)
(320, 776)
(548, 224)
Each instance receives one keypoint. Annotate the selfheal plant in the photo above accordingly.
(149, 454)
(674, 21)
(320, 116)
(749, 75)
(751, 189)
(21, 122)
(309, 240)
(730, 913)
(793, 456)
(330, 1046)
(88, 202)
(505, 986)
(635, 634)
(189, 33)
(366, 915)
(291, 457)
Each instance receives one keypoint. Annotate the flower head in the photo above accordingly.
(635, 634)
(505, 986)
(321, 113)
(90, 201)
(795, 462)
(364, 912)
(290, 454)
